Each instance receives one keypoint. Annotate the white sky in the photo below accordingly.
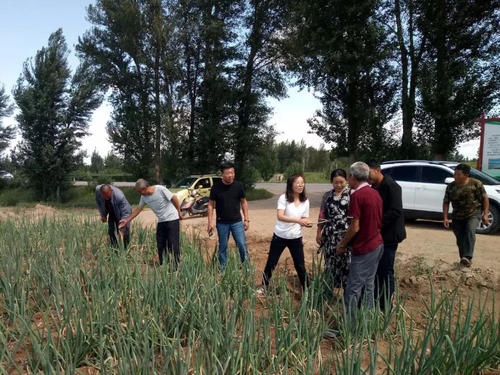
(25, 26)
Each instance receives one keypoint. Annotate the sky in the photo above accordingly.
(25, 26)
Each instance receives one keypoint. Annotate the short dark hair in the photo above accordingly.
(226, 165)
(105, 187)
(289, 188)
(338, 172)
(464, 168)
(373, 164)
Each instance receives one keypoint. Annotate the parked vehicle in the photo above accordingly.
(423, 184)
(194, 204)
(4, 175)
(202, 184)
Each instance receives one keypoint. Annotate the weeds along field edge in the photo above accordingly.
(71, 304)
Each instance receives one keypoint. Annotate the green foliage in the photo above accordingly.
(249, 177)
(266, 165)
(317, 159)
(316, 178)
(84, 196)
(294, 168)
(16, 196)
(290, 152)
(356, 87)
(189, 81)
(6, 132)
(79, 303)
(460, 70)
(54, 110)
(96, 162)
(260, 75)
(112, 175)
(258, 194)
(113, 162)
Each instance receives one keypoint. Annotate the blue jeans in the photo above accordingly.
(238, 231)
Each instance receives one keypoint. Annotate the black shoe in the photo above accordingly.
(465, 262)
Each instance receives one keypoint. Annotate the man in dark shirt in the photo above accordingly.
(228, 196)
(363, 234)
(393, 231)
(113, 206)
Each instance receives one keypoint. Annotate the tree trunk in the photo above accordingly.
(406, 141)
(442, 133)
(242, 144)
(158, 128)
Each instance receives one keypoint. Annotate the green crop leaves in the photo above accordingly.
(69, 301)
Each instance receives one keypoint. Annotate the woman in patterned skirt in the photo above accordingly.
(333, 214)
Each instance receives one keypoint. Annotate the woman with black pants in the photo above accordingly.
(292, 214)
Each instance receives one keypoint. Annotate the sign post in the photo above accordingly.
(489, 147)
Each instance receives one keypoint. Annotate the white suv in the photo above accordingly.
(424, 182)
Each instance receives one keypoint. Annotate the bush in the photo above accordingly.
(76, 196)
(13, 197)
(106, 176)
(341, 163)
(294, 168)
(249, 177)
(257, 194)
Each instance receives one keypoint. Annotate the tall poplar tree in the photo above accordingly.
(460, 71)
(6, 132)
(132, 46)
(259, 75)
(54, 110)
(341, 49)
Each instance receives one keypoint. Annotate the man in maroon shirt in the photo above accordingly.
(363, 234)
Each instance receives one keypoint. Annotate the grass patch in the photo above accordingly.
(75, 197)
(316, 178)
(257, 194)
(84, 197)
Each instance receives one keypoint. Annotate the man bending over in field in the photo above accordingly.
(113, 206)
(166, 207)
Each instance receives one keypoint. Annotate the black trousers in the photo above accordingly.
(384, 279)
(167, 235)
(296, 248)
(465, 232)
(113, 231)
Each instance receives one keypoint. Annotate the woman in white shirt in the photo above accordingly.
(292, 214)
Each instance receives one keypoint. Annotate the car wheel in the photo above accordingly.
(491, 227)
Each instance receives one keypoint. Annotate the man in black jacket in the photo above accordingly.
(393, 231)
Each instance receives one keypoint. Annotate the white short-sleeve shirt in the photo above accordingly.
(161, 204)
(291, 230)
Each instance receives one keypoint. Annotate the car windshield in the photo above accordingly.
(185, 182)
(486, 179)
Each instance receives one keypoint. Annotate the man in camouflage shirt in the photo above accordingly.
(470, 202)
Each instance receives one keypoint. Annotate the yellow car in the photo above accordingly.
(202, 184)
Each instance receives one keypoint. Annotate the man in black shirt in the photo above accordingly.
(393, 231)
(228, 196)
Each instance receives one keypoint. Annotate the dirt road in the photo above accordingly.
(425, 239)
